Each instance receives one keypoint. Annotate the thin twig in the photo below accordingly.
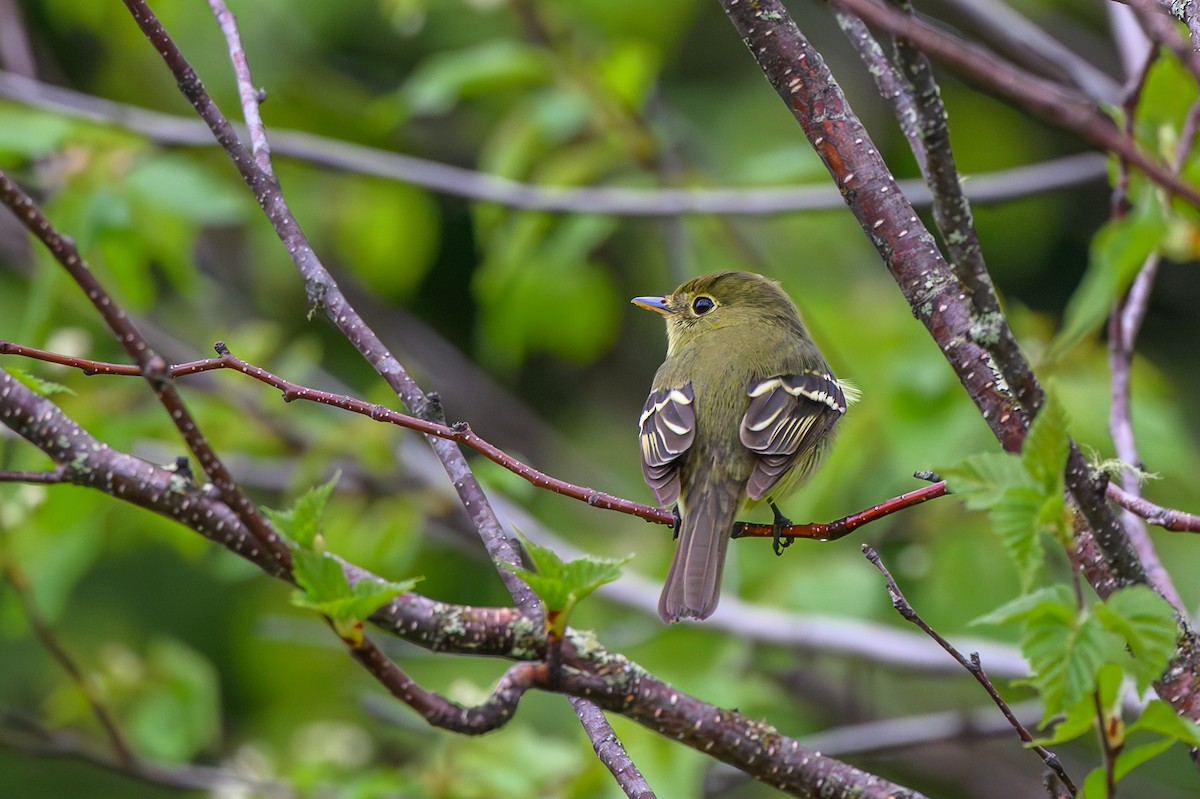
(1176, 521)
(971, 664)
(325, 296)
(892, 84)
(986, 187)
(23, 476)
(250, 96)
(49, 640)
(839, 528)
(30, 738)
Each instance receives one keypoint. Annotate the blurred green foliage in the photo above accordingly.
(519, 319)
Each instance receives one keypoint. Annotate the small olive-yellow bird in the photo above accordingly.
(742, 410)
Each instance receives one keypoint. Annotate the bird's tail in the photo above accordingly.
(694, 583)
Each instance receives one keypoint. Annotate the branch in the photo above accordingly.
(988, 187)
(30, 738)
(972, 665)
(1176, 521)
(124, 756)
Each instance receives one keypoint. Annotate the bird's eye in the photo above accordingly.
(702, 305)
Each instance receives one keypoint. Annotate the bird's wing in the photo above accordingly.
(665, 431)
(787, 419)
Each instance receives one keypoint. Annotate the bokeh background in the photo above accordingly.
(520, 319)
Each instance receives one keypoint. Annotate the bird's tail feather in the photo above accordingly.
(694, 583)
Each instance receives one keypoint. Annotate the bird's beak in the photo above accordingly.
(657, 304)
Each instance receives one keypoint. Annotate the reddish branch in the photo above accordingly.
(1168, 518)
(461, 433)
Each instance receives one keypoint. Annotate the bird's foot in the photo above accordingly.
(778, 542)
(675, 524)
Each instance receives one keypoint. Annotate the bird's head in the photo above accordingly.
(722, 299)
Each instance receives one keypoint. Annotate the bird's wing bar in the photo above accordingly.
(665, 430)
(788, 417)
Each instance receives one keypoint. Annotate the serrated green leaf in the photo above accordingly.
(1015, 518)
(588, 574)
(552, 590)
(325, 588)
(546, 561)
(980, 479)
(1055, 600)
(319, 577)
(1161, 718)
(366, 597)
(1044, 454)
(561, 585)
(302, 521)
(44, 388)
(1066, 655)
(1147, 623)
(1110, 682)
(1118, 252)
(1080, 720)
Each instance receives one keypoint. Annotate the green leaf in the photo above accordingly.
(1066, 655)
(387, 230)
(1080, 719)
(1147, 623)
(320, 578)
(1118, 251)
(176, 713)
(441, 80)
(980, 479)
(1054, 600)
(1081, 716)
(39, 386)
(325, 588)
(302, 522)
(1132, 757)
(30, 133)
(562, 584)
(629, 70)
(1044, 454)
(1094, 787)
(1161, 718)
(1016, 517)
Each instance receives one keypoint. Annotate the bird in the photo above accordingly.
(742, 411)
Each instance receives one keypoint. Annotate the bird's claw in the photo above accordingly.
(778, 542)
